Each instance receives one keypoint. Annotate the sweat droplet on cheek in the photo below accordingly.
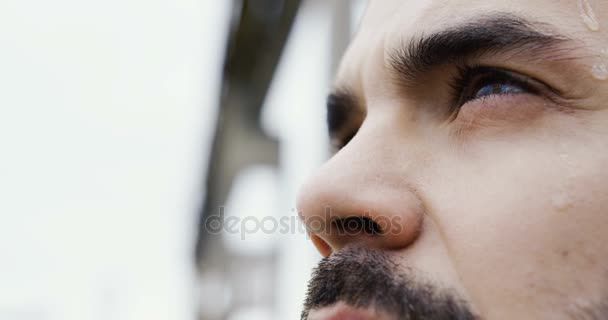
(561, 201)
(599, 71)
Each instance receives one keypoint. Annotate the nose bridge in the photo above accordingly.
(366, 184)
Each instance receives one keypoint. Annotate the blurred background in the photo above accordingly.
(132, 132)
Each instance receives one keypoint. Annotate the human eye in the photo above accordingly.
(479, 85)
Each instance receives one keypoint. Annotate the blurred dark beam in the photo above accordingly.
(255, 45)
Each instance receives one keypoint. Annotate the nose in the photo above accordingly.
(359, 197)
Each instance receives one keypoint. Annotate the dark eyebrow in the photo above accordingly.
(497, 33)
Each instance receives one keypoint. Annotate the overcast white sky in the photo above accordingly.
(105, 113)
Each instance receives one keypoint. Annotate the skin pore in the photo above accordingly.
(479, 131)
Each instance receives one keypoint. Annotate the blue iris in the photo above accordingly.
(498, 88)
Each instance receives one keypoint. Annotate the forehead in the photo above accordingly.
(388, 24)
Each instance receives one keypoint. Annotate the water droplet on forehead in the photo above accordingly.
(588, 16)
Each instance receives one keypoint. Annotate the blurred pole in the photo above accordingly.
(324, 25)
(258, 35)
(254, 49)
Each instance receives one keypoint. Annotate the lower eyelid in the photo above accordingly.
(499, 109)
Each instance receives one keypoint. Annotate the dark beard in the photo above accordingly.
(364, 278)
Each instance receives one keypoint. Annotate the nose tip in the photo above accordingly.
(367, 212)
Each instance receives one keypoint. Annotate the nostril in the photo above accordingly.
(353, 226)
(323, 247)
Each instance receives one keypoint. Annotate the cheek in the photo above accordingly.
(532, 213)
(497, 114)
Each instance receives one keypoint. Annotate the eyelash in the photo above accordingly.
(469, 80)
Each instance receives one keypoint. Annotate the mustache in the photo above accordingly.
(365, 278)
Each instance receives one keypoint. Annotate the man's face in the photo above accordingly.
(474, 183)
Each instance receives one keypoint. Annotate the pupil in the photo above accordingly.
(496, 88)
